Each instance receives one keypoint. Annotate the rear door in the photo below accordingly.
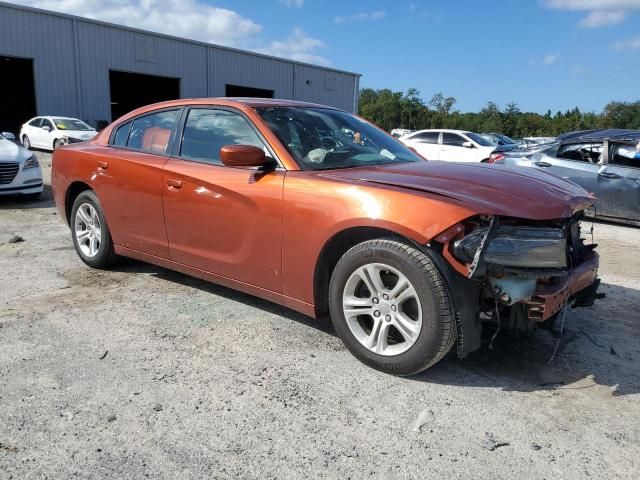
(129, 180)
(619, 182)
(223, 220)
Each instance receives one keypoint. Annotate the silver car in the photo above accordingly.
(609, 168)
(20, 171)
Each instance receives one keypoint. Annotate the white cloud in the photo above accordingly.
(292, 3)
(550, 58)
(599, 18)
(298, 46)
(193, 19)
(629, 44)
(601, 13)
(547, 60)
(361, 17)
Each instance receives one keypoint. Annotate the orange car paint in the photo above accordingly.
(261, 233)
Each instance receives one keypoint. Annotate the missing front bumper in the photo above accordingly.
(580, 284)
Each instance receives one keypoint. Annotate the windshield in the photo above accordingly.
(322, 139)
(70, 124)
(505, 139)
(480, 140)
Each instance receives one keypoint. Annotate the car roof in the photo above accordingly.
(252, 102)
(445, 130)
(599, 135)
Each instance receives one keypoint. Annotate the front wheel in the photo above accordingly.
(91, 236)
(57, 144)
(391, 308)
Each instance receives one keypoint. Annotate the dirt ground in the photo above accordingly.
(140, 372)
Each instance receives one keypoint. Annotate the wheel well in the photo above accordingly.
(331, 253)
(75, 189)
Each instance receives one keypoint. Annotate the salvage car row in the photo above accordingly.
(20, 172)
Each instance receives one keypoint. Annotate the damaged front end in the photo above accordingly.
(524, 272)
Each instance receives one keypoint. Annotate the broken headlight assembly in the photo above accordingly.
(516, 246)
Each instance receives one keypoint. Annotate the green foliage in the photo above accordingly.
(390, 110)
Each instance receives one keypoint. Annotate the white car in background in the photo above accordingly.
(20, 171)
(450, 145)
(49, 133)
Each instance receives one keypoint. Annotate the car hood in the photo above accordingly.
(11, 152)
(79, 134)
(484, 188)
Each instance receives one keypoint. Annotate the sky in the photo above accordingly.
(541, 54)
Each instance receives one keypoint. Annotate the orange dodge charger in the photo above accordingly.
(318, 210)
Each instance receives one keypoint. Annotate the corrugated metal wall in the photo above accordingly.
(72, 58)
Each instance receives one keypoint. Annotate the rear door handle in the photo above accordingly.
(608, 175)
(543, 164)
(174, 184)
(102, 164)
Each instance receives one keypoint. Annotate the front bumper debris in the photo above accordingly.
(580, 282)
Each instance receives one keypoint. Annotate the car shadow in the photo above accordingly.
(592, 350)
(21, 202)
(134, 266)
(597, 348)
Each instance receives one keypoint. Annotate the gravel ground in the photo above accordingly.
(141, 372)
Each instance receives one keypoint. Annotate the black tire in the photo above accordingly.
(26, 143)
(438, 332)
(57, 144)
(105, 256)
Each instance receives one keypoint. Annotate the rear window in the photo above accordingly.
(152, 132)
(121, 136)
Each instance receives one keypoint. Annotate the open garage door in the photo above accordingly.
(239, 91)
(17, 92)
(132, 90)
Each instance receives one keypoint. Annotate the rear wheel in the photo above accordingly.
(391, 308)
(26, 143)
(91, 236)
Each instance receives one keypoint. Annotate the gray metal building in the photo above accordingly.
(57, 64)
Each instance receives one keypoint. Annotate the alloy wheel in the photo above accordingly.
(88, 230)
(382, 309)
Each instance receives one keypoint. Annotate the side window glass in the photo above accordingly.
(626, 156)
(452, 139)
(427, 137)
(152, 132)
(581, 153)
(206, 131)
(122, 133)
(46, 123)
(36, 123)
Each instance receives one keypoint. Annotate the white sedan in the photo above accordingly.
(20, 171)
(49, 133)
(450, 145)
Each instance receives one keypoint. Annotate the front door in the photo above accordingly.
(453, 149)
(223, 220)
(619, 182)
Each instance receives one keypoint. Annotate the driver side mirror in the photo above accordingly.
(242, 156)
(47, 128)
(467, 145)
(9, 136)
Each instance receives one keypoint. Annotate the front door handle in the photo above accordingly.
(174, 184)
(103, 165)
(608, 175)
(543, 164)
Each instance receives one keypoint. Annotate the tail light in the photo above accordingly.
(495, 157)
